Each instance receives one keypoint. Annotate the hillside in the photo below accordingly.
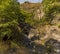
(43, 33)
(28, 6)
(34, 8)
(30, 28)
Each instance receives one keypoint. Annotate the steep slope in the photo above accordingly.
(33, 8)
(49, 29)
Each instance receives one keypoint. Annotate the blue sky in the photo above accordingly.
(21, 1)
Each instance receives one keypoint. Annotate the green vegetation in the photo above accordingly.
(51, 8)
(17, 19)
(9, 11)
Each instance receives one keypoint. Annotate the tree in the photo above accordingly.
(9, 11)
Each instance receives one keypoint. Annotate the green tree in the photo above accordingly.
(9, 11)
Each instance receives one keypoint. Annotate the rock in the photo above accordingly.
(53, 46)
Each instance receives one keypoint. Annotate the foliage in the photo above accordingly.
(26, 17)
(9, 10)
(11, 16)
(49, 3)
(51, 8)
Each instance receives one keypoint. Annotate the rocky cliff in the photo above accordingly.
(43, 38)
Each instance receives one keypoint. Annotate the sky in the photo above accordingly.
(21, 1)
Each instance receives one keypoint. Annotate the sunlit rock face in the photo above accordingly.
(49, 32)
(39, 14)
(33, 32)
(53, 32)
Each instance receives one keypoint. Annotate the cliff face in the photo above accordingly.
(47, 37)
(48, 31)
(43, 35)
